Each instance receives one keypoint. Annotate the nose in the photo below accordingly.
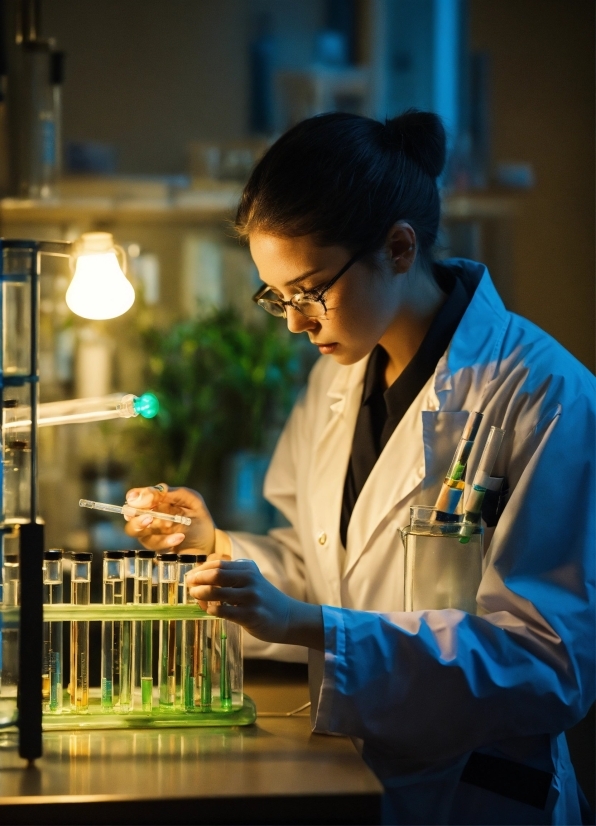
(298, 323)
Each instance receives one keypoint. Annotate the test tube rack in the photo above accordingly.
(238, 711)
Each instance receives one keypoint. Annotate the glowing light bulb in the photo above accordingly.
(99, 289)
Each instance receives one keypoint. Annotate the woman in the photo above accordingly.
(461, 716)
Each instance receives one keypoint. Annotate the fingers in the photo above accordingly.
(211, 593)
(148, 497)
(222, 572)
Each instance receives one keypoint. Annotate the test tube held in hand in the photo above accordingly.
(80, 594)
(111, 632)
(454, 484)
(53, 594)
(481, 483)
(144, 628)
(167, 595)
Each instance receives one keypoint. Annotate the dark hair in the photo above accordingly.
(347, 179)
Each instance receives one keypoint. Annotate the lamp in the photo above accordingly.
(99, 288)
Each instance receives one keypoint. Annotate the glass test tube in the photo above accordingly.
(225, 684)
(191, 640)
(167, 595)
(80, 594)
(454, 483)
(11, 596)
(186, 562)
(144, 629)
(53, 594)
(482, 482)
(127, 662)
(111, 632)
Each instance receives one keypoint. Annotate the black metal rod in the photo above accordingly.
(31, 642)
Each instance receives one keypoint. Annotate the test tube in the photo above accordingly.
(11, 595)
(111, 632)
(190, 660)
(127, 662)
(167, 595)
(186, 562)
(80, 594)
(51, 679)
(482, 482)
(225, 685)
(454, 483)
(144, 629)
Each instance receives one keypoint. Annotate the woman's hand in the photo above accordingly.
(238, 591)
(159, 535)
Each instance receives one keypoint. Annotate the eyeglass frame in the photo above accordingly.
(318, 296)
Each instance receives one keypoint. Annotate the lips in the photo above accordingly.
(326, 349)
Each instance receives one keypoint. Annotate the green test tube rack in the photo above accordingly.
(232, 708)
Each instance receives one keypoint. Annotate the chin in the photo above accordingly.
(348, 357)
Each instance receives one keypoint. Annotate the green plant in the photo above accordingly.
(223, 386)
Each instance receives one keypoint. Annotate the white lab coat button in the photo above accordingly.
(322, 538)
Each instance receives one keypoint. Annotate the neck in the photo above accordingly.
(421, 300)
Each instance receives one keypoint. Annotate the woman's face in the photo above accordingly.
(360, 306)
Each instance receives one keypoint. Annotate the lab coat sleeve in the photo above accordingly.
(434, 684)
(279, 554)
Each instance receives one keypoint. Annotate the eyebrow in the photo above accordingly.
(300, 278)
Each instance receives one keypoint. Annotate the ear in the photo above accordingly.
(401, 246)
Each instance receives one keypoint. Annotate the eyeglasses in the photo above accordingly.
(311, 304)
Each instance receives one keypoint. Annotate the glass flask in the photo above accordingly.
(441, 570)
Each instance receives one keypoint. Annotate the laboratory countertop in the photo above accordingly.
(275, 771)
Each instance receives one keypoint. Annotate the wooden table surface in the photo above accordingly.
(275, 771)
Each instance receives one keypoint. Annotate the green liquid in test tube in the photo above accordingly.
(191, 641)
(168, 595)
(225, 688)
(53, 582)
(80, 594)
(144, 629)
(112, 654)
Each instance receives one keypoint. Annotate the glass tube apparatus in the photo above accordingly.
(20, 532)
(81, 411)
(52, 662)
(80, 593)
(144, 631)
(167, 595)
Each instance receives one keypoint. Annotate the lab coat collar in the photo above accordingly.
(477, 341)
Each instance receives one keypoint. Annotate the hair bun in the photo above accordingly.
(421, 135)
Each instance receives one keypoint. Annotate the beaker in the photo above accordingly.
(441, 571)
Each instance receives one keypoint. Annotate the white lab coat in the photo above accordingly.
(425, 689)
